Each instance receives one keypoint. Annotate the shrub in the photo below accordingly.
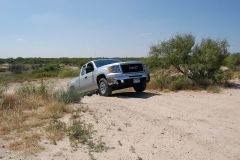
(181, 83)
(69, 96)
(162, 81)
(167, 80)
(195, 61)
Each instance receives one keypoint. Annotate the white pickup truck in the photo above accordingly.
(105, 75)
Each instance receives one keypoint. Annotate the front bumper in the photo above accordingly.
(123, 80)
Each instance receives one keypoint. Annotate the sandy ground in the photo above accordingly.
(184, 125)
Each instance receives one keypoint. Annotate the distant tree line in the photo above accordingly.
(48, 67)
(63, 60)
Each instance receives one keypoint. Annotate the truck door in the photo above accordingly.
(86, 78)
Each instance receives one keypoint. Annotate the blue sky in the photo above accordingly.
(110, 28)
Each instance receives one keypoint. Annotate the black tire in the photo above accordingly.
(140, 87)
(104, 88)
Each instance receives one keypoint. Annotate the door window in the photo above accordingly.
(89, 68)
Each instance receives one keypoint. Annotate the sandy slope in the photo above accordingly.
(183, 125)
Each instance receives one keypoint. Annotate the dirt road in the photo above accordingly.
(185, 125)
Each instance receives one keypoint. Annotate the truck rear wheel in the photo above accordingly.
(140, 87)
(104, 88)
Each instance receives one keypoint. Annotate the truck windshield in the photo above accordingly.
(103, 62)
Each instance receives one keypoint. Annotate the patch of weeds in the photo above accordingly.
(56, 130)
(97, 146)
(213, 89)
(69, 96)
(80, 132)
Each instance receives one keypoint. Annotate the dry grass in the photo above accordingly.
(33, 112)
(53, 110)
(31, 107)
(28, 143)
(22, 114)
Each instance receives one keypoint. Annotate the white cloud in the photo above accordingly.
(20, 40)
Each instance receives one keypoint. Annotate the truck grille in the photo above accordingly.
(131, 68)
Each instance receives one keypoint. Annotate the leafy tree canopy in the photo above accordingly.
(196, 61)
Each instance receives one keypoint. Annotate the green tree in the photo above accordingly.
(196, 61)
(207, 58)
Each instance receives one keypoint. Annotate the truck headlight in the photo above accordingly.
(114, 69)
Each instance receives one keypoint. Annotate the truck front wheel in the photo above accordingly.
(140, 87)
(104, 88)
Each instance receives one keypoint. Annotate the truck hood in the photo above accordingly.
(131, 62)
(121, 63)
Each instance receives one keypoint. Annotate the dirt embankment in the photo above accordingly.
(152, 126)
